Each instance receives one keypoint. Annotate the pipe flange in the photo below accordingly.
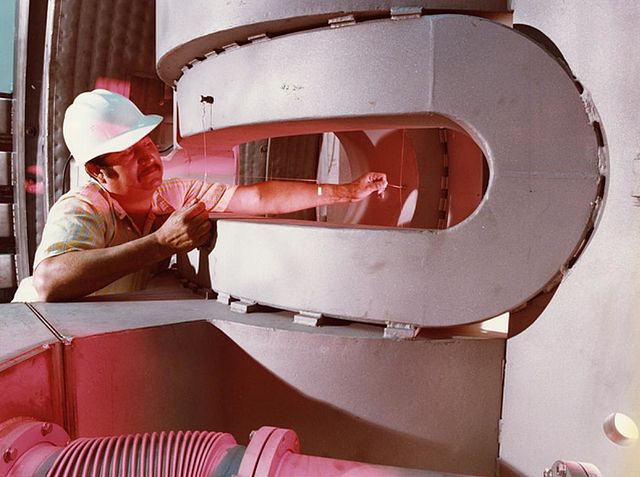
(267, 446)
(20, 435)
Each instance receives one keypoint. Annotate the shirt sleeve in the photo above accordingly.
(175, 194)
(73, 224)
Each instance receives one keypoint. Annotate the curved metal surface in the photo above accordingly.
(500, 87)
(344, 390)
(208, 25)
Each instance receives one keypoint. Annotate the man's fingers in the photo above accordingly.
(377, 180)
(198, 219)
(204, 227)
(202, 234)
(193, 209)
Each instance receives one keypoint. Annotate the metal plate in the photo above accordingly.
(501, 88)
(152, 379)
(7, 271)
(21, 331)
(357, 396)
(32, 385)
(86, 319)
(5, 116)
(6, 220)
(5, 167)
(193, 30)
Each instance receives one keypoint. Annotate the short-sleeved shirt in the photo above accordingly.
(90, 218)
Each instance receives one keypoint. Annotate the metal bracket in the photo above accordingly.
(563, 468)
(224, 298)
(400, 331)
(243, 306)
(309, 318)
(405, 13)
(230, 46)
(343, 21)
(259, 38)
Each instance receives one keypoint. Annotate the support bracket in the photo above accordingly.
(309, 318)
(243, 306)
(400, 331)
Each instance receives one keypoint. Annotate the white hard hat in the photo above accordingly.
(99, 122)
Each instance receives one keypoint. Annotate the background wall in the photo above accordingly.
(578, 363)
(7, 29)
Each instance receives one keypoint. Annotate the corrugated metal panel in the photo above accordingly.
(7, 240)
(90, 39)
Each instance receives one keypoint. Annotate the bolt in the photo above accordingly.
(10, 454)
(46, 428)
(251, 434)
(547, 473)
(561, 469)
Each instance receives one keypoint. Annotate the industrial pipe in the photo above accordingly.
(37, 449)
(40, 449)
(274, 452)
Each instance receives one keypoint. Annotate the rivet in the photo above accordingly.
(46, 428)
(10, 454)
(561, 469)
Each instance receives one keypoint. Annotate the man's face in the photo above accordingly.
(136, 170)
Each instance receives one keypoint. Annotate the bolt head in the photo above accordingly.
(10, 454)
(251, 434)
(46, 428)
(561, 469)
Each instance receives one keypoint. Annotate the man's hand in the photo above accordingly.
(185, 229)
(366, 185)
(72, 275)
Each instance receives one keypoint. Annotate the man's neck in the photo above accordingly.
(137, 207)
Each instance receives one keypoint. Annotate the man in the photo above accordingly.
(108, 236)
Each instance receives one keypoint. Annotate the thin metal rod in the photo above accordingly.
(46, 323)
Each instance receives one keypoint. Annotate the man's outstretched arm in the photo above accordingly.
(280, 197)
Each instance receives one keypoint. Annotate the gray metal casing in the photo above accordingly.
(496, 259)
(210, 25)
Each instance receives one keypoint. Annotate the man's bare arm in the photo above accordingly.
(76, 274)
(280, 197)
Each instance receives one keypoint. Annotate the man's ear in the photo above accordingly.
(95, 171)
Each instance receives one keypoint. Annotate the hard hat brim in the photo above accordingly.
(125, 140)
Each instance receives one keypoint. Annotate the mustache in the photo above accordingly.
(150, 168)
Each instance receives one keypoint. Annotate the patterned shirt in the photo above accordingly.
(90, 218)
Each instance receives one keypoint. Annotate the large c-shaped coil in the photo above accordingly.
(509, 94)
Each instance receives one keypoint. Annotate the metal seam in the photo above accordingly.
(49, 326)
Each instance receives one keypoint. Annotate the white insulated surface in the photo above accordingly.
(541, 192)
(580, 361)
